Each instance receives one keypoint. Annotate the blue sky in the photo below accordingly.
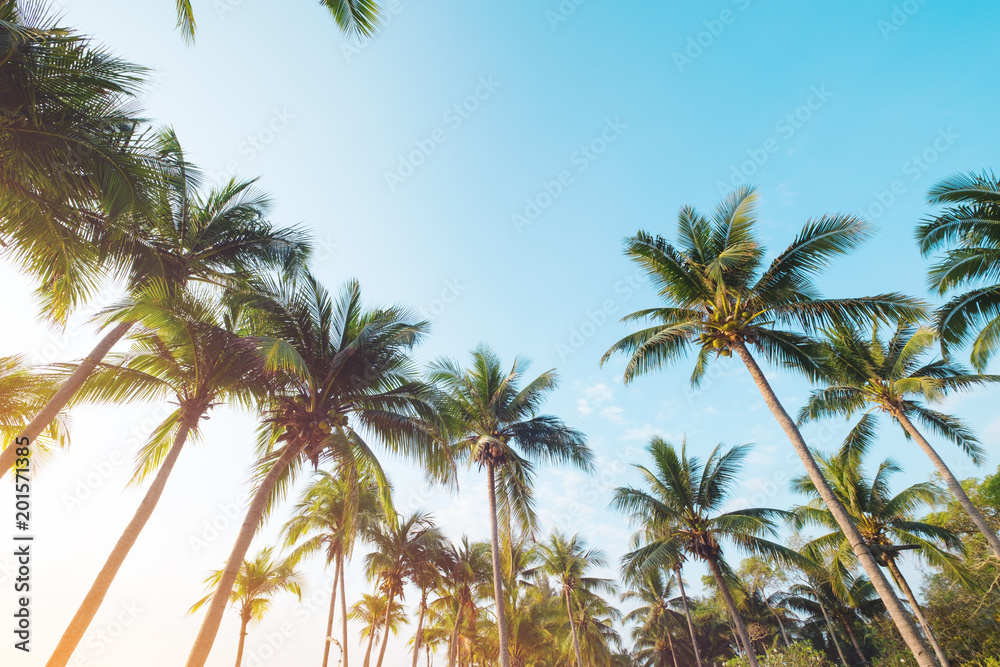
(481, 163)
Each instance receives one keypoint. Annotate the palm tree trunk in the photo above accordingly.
(244, 622)
(673, 653)
(953, 484)
(741, 630)
(420, 627)
(854, 641)
(497, 581)
(572, 626)
(63, 395)
(784, 633)
(255, 514)
(687, 613)
(918, 612)
(99, 589)
(333, 609)
(343, 608)
(833, 634)
(882, 586)
(371, 642)
(385, 631)
(453, 642)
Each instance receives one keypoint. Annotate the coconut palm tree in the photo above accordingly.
(372, 611)
(258, 582)
(719, 298)
(595, 619)
(184, 352)
(968, 230)
(220, 238)
(495, 425)
(567, 559)
(895, 377)
(466, 581)
(400, 544)
(347, 376)
(76, 162)
(23, 391)
(886, 523)
(355, 18)
(427, 574)
(656, 615)
(683, 495)
(329, 518)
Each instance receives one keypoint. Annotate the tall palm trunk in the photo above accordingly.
(953, 484)
(854, 640)
(833, 633)
(417, 640)
(917, 611)
(497, 581)
(453, 642)
(371, 642)
(333, 609)
(673, 653)
(63, 395)
(99, 589)
(385, 630)
(343, 608)
(244, 622)
(687, 613)
(741, 629)
(210, 625)
(572, 626)
(895, 608)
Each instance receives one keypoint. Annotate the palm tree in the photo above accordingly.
(567, 559)
(220, 239)
(257, 583)
(347, 374)
(372, 611)
(863, 374)
(76, 164)
(655, 615)
(495, 425)
(330, 521)
(683, 495)
(355, 18)
(595, 620)
(23, 390)
(400, 544)
(466, 582)
(886, 523)
(719, 298)
(185, 353)
(427, 574)
(968, 228)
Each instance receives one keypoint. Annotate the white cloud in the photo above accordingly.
(613, 413)
(593, 396)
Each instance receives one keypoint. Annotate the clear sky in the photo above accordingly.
(481, 162)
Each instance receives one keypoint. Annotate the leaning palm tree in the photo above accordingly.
(496, 425)
(328, 518)
(355, 18)
(720, 298)
(347, 375)
(184, 353)
(220, 238)
(683, 495)
(258, 582)
(400, 544)
(969, 231)
(75, 164)
(894, 377)
(567, 559)
(886, 523)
